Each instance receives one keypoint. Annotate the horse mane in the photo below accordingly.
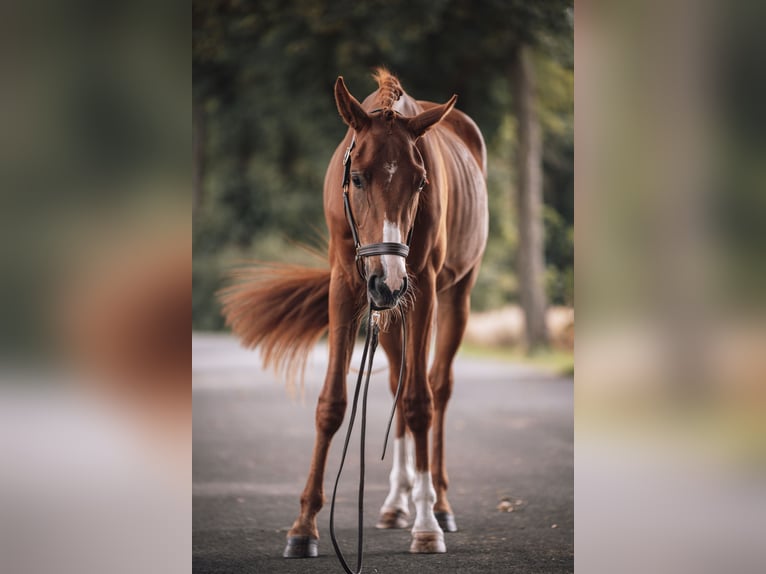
(389, 90)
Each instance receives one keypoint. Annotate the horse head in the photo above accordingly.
(387, 177)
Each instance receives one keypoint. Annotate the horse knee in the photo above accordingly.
(329, 415)
(441, 386)
(418, 413)
(442, 393)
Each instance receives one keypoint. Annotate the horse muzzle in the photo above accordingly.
(381, 295)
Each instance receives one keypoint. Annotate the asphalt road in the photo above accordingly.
(509, 436)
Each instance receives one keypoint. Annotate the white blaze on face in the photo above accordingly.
(402, 476)
(424, 497)
(393, 266)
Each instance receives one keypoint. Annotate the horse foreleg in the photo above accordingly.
(303, 537)
(395, 512)
(427, 535)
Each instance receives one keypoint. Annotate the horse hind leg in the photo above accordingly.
(452, 317)
(395, 512)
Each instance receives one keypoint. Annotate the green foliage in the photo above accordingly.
(207, 276)
(559, 258)
(263, 78)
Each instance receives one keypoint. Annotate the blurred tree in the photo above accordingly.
(199, 155)
(529, 198)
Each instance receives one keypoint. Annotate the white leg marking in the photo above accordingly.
(393, 265)
(401, 478)
(424, 497)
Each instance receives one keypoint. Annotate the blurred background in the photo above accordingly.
(265, 125)
(95, 259)
(96, 164)
(670, 394)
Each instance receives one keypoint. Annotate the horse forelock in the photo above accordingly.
(389, 91)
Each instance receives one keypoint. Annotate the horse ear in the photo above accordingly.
(424, 121)
(349, 107)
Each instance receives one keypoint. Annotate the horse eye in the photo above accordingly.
(357, 181)
(422, 184)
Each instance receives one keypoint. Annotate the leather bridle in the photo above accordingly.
(371, 249)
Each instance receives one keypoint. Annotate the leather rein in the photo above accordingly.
(370, 345)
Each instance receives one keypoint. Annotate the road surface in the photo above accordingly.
(509, 445)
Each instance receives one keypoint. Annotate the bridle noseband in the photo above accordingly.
(372, 249)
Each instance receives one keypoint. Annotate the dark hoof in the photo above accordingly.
(446, 520)
(301, 547)
(393, 519)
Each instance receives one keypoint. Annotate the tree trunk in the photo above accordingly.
(529, 199)
(198, 155)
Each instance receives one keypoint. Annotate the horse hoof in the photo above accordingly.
(428, 543)
(301, 547)
(446, 520)
(393, 519)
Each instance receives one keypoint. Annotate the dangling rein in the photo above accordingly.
(370, 345)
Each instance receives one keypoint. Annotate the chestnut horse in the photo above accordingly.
(415, 167)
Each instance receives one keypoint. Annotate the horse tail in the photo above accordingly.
(281, 308)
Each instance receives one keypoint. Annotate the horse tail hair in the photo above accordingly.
(281, 308)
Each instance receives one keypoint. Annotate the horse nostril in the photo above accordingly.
(401, 291)
(373, 283)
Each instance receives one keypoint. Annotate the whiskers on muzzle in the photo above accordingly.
(406, 300)
(380, 294)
